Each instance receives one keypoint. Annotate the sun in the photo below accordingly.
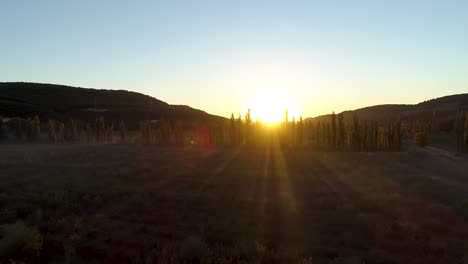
(270, 106)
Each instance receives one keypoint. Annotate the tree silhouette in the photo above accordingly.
(34, 128)
(18, 128)
(239, 129)
(333, 131)
(300, 132)
(248, 127)
(2, 129)
(70, 133)
(61, 132)
(99, 127)
(89, 133)
(355, 134)
(462, 132)
(340, 132)
(465, 134)
(123, 132)
(51, 131)
(232, 130)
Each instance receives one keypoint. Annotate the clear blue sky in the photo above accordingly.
(213, 55)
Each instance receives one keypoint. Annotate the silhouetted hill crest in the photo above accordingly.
(63, 102)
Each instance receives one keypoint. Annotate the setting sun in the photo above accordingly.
(269, 106)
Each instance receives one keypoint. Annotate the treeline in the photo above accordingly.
(462, 132)
(235, 131)
(458, 127)
(60, 132)
(27, 129)
(334, 135)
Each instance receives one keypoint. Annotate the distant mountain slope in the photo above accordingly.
(63, 102)
(442, 108)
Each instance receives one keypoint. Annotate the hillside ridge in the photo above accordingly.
(56, 101)
(446, 107)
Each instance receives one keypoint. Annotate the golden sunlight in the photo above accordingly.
(270, 106)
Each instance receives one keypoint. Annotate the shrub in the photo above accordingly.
(19, 241)
(420, 139)
(194, 248)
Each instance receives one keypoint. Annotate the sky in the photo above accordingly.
(218, 55)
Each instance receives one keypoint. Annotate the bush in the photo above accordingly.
(194, 248)
(420, 139)
(19, 242)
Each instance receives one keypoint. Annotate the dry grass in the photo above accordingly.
(124, 204)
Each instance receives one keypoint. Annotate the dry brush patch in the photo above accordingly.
(122, 204)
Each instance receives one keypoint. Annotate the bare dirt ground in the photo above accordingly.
(129, 203)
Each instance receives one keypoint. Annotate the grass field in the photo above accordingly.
(270, 204)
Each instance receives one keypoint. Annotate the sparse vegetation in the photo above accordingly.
(194, 248)
(420, 139)
(289, 194)
(19, 242)
(278, 203)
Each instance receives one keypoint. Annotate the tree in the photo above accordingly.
(462, 134)
(333, 131)
(340, 132)
(239, 129)
(327, 134)
(61, 132)
(34, 128)
(232, 130)
(145, 132)
(318, 134)
(465, 134)
(376, 136)
(109, 134)
(248, 126)
(18, 128)
(51, 131)
(355, 134)
(300, 132)
(292, 132)
(2, 129)
(70, 131)
(123, 132)
(89, 133)
(398, 134)
(365, 144)
(99, 128)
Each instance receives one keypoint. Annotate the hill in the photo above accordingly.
(443, 108)
(51, 101)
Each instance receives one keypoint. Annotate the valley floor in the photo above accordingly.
(129, 203)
